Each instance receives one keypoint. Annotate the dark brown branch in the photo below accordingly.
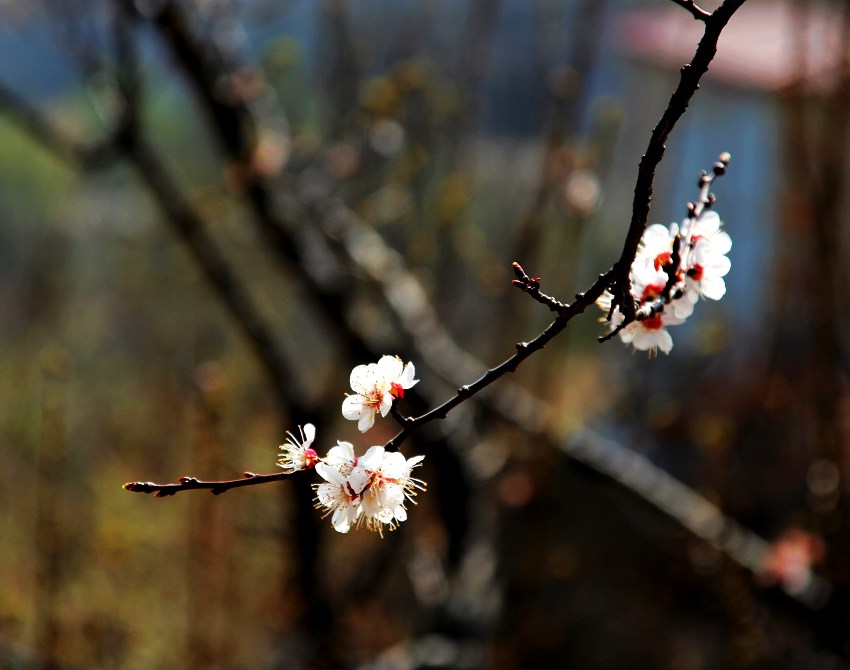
(524, 350)
(214, 487)
(617, 276)
(531, 285)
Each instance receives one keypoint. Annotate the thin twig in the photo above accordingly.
(617, 276)
(696, 11)
(214, 487)
(531, 285)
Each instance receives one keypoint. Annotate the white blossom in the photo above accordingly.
(375, 387)
(698, 248)
(647, 334)
(707, 262)
(297, 454)
(390, 486)
(341, 457)
(369, 490)
(339, 496)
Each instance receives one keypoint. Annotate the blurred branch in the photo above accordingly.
(565, 106)
(191, 229)
(691, 510)
(127, 143)
(87, 156)
(236, 125)
(342, 79)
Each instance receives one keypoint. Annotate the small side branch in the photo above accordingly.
(696, 11)
(214, 487)
(531, 285)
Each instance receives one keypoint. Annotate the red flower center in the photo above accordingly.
(663, 259)
(695, 272)
(653, 322)
(374, 398)
(651, 292)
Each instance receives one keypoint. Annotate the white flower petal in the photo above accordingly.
(373, 458)
(342, 519)
(352, 407)
(708, 223)
(386, 403)
(414, 461)
(330, 474)
(358, 479)
(340, 455)
(357, 375)
(390, 367)
(713, 288)
(394, 465)
(366, 421)
(407, 377)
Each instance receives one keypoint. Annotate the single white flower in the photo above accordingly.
(297, 454)
(648, 334)
(707, 261)
(375, 387)
(390, 485)
(337, 496)
(655, 249)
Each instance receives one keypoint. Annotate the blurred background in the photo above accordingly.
(211, 210)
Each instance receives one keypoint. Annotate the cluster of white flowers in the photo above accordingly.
(702, 263)
(370, 490)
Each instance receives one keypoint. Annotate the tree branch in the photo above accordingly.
(617, 275)
(696, 11)
(214, 487)
(87, 156)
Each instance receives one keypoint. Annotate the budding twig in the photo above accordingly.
(215, 487)
(532, 287)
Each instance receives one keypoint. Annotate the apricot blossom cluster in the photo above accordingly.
(369, 490)
(674, 267)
